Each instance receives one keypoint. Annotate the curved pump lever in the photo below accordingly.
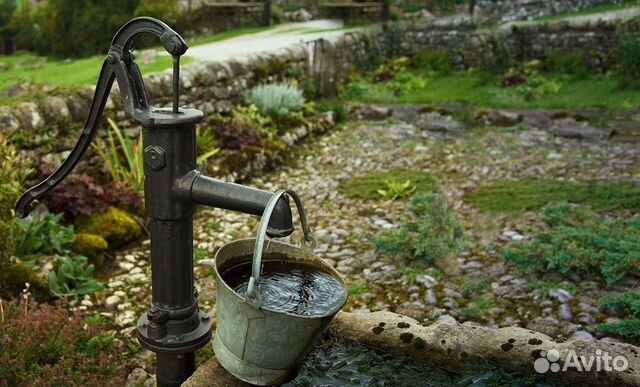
(119, 65)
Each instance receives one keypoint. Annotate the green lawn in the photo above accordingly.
(591, 10)
(80, 72)
(65, 72)
(484, 90)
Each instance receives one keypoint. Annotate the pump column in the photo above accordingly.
(174, 327)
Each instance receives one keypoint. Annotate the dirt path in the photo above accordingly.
(282, 36)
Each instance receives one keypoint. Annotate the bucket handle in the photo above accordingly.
(253, 296)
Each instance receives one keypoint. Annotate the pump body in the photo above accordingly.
(174, 327)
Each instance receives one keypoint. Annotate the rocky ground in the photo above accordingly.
(460, 160)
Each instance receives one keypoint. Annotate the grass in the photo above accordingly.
(83, 72)
(78, 72)
(590, 10)
(478, 309)
(532, 194)
(367, 186)
(357, 289)
(485, 90)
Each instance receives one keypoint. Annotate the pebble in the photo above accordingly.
(115, 284)
(564, 312)
(86, 303)
(583, 335)
(112, 301)
(426, 280)
(560, 295)
(445, 318)
(137, 378)
(430, 297)
(126, 265)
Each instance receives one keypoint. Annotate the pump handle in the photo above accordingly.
(119, 65)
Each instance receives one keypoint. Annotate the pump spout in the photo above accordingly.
(195, 188)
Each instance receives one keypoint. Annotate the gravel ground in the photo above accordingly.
(343, 228)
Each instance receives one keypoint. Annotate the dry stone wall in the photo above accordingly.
(509, 10)
(214, 87)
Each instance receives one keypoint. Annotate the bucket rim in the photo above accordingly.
(331, 270)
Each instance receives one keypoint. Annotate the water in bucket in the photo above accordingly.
(290, 287)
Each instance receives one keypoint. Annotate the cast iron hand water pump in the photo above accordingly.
(174, 327)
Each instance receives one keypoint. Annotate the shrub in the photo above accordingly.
(55, 20)
(433, 234)
(276, 100)
(233, 135)
(628, 56)
(629, 304)
(537, 86)
(46, 345)
(436, 61)
(80, 195)
(579, 240)
(73, 278)
(250, 116)
(571, 63)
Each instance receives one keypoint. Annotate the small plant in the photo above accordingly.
(397, 190)
(629, 303)
(433, 234)
(251, 116)
(131, 171)
(206, 144)
(46, 345)
(276, 100)
(579, 240)
(79, 195)
(41, 235)
(369, 186)
(357, 289)
(537, 86)
(477, 310)
(471, 288)
(340, 114)
(73, 278)
(235, 135)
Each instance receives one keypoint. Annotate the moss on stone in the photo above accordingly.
(13, 278)
(367, 186)
(92, 246)
(115, 226)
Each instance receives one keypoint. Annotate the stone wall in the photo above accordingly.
(510, 10)
(214, 87)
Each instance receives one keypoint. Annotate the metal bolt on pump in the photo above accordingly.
(174, 327)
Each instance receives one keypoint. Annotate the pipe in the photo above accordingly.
(196, 188)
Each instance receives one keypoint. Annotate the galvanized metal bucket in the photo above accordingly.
(254, 343)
